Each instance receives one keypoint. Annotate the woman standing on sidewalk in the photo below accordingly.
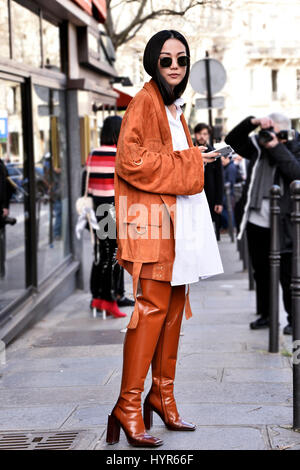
(159, 171)
(107, 278)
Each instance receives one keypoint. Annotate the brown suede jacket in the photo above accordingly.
(149, 175)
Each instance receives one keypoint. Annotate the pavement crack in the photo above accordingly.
(69, 416)
(254, 409)
(109, 377)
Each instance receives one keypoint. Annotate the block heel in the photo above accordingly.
(148, 415)
(113, 430)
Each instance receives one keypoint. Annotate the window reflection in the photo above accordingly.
(4, 29)
(51, 45)
(94, 48)
(51, 165)
(26, 35)
(12, 237)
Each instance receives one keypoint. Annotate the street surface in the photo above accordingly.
(64, 373)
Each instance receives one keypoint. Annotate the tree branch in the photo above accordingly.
(139, 20)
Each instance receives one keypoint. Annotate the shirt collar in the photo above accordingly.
(178, 103)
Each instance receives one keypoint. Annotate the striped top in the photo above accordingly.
(101, 165)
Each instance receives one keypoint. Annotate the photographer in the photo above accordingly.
(274, 159)
(213, 181)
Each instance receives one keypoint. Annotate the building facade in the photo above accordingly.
(56, 69)
(257, 42)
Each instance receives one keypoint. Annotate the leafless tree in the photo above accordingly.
(144, 11)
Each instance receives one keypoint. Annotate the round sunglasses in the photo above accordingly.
(166, 62)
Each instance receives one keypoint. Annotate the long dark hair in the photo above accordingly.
(110, 130)
(150, 61)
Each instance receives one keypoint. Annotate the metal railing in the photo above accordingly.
(295, 288)
(274, 258)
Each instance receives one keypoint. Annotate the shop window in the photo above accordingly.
(4, 29)
(26, 35)
(51, 45)
(93, 45)
(95, 49)
(107, 49)
(50, 147)
(12, 237)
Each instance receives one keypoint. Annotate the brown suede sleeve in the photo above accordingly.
(145, 162)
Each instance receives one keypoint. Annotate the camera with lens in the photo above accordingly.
(7, 221)
(266, 135)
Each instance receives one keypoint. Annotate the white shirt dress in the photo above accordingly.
(196, 249)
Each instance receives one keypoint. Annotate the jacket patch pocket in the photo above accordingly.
(141, 242)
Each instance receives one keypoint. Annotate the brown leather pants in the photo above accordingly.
(161, 395)
(155, 339)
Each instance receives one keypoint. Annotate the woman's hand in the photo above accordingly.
(210, 157)
(218, 209)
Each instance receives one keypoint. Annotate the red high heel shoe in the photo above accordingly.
(112, 308)
(98, 304)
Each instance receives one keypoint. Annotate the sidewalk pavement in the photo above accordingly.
(64, 373)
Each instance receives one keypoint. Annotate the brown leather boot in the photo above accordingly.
(139, 347)
(160, 397)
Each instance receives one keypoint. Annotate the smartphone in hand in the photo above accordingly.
(225, 151)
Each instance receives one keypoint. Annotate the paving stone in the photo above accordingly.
(284, 439)
(63, 378)
(94, 324)
(202, 374)
(201, 414)
(219, 359)
(106, 350)
(258, 375)
(204, 438)
(187, 347)
(225, 332)
(74, 364)
(88, 416)
(214, 392)
(73, 338)
(59, 395)
(34, 418)
(212, 318)
(255, 414)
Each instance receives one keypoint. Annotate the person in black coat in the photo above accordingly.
(274, 162)
(213, 179)
(231, 175)
(6, 192)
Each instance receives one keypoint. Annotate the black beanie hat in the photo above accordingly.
(150, 61)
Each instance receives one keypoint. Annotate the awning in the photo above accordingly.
(87, 5)
(101, 7)
(126, 93)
